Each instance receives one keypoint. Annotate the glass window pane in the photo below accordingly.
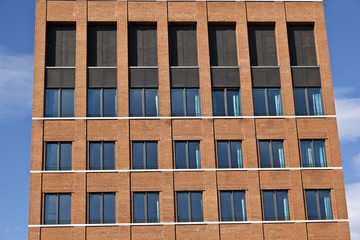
(95, 208)
(138, 155)
(136, 103)
(240, 206)
(233, 101)
(236, 154)
(311, 205)
(151, 102)
(223, 154)
(153, 207)
(151, 155)
(67, 103)
(109, 156)
(51, 156)
(65, 156)
(264, 148)
(93, 107)
(300, 101)
(315, 102)
(307, 154)
(177, 102)
(218, 103)
(196, 207)
(325, 204)
(109, 102)
(182, 207)
(95, 156)
(278, 154)
(194, 155)
(139, 207)
(269, 207)
(64, 208)
(274, 101)
(259, 102)
(180, 155)
(192, 102)
(282, 205)
(52, 103)
(320, 156)
(109, 207)
(226, 210)
(50, 209)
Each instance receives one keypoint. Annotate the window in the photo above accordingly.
(271, 154)
(189, 206)
(318, 204)
(185, 102)
(313, 153)
(146, 207)
(308, 101)
(276, 206)
(226, 102)
(102, 155)
(145, 155)
(58, 156)
(57, 209)
(101, 208)
(233, 207)
(229, 154)
(267, 102)
(187, 155)
(59, 102)
(102, 71)
(144, 102)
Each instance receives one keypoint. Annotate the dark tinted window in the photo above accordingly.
(226, 102)
(146, 207)
(271, 154)
(59, 103)
(313, 153)
(144, 102)
(187, 155)
(101, 102)
(102, 155)
(57, 209)
(233, 207)
(101, 208)
(58, 156)
(276, 206)
(145, 155)
(189, 207)
(308, 101)
(229, 154)
(318, 203)
(267, 102)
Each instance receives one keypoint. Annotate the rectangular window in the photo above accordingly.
(185, 102)
(226, 102)
(102, 155)
(101, 102)
(58, 156)
(318, 204)
(229, 154)
(271, 154)
(144, 155)
(57, 209)
(233, 207)
(308, 101)
(267, 102)
(313, 153)
(101, 208)
(59, 102)
(146, 207)
(187, 155)
(144, 102)
(276, 206)
(189, 206)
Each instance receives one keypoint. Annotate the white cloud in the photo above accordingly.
(16, 80)
(353, 196)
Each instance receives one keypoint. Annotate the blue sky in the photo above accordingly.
(16, 77)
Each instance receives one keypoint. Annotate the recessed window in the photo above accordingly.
(58, 156)
(267, 102)
(229, 154)
(308, 101)
(233, 207)
(59, 102)
(145, 155)
(144, 102)
(102, 155)
(318, 204)
(276, 206)
(101, 208)
(146, 207)
(57, 209)
(271, 154)
(187, 154)
(185, 102)
(101, 102)
(189, 206)
(226, 101)
(313, 153)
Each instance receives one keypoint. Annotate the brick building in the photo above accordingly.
(184, 120)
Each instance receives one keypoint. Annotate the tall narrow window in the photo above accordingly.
(101, 208)
(184, 71)
(233, 207)
(102, 155)
(187, 155)
(271, 154)
(58, 156)
(60, 71)
(313, 153)
(102, 71)
(189, 206)
(229, 154)
(143, 71)
(276, 206)
(144, 155)
(146, 207)
(57, 209)
(318, 204)
(225, 75)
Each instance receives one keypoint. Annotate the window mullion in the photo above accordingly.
(271, 154)
(146, 207)
(276, 206)
(266, 101)
(59, 102)
(143, 102)
(225, 102)
(229, 153)
(307, 101)
(313, 153)
(185, 103)
(318, 204)
(101, 102)
(232, 205)
(189, 208)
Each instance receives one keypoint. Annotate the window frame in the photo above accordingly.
(228, 144)
(271, 154)
(57, 208)
(184, 93)
(190, 219)
(307, 102)
(225, 90)
(232, 205)
(266, 96)
(101, 206)
(312, 152)
(60, 98)
(101, 154)
(318, 207)
(276, 208)
(146, 206)
(144, 146)
(101, 101)
(58, 156)
(143, 102)
(187, 156)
